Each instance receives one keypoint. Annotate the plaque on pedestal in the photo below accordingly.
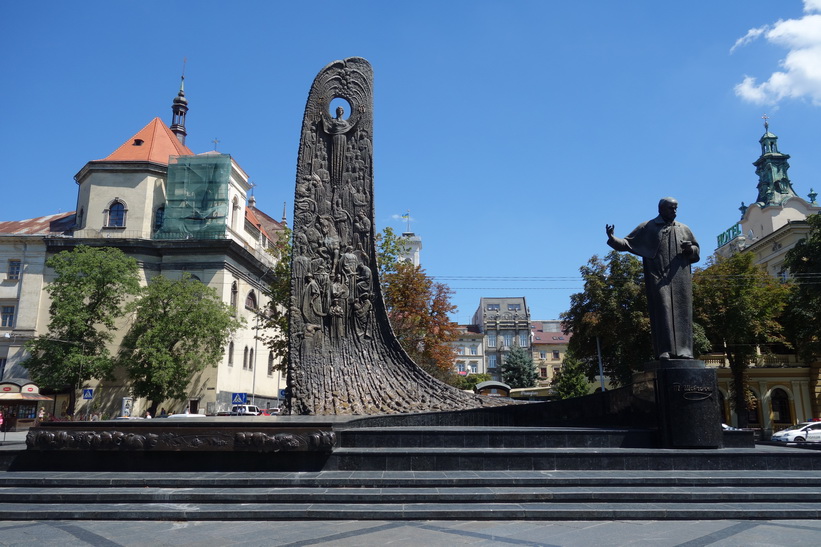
(686, 398)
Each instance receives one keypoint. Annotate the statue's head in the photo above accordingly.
(667, 209)
(339, 112)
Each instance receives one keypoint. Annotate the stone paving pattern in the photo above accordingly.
(428, 533)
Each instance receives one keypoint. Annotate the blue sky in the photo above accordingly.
(513, 131)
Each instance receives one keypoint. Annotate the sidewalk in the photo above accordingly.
(13, 440)
(429, 533)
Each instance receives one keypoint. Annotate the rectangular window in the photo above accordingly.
(542, 355)
(555, 355)
(491, 361)
(491, 339)
(493, 307)
(14, 269)
(508, 336)
(543, 372)
(514, 307)
(460, 350)
(8, 316)
(474, 350)
(474, 367)
(460, 366)
(523, 339)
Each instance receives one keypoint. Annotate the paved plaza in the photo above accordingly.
(427, 533)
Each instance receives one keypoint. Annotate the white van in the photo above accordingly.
(245, 410)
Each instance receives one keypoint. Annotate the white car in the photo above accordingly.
(245, 410)
(798, 433)
(814, 435)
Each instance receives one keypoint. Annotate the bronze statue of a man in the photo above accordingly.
(667, 248)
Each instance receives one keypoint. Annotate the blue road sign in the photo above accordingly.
(283, 393)
(239, 399)
(88, 393)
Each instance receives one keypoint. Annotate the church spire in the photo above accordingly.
(774, 185)
(179, 108)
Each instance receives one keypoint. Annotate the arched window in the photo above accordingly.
(159, 217)
(251, 301)
(780, 404)
(270, 363)
(231, 353)
(245, 359)
(116, 214)
(251, 360)
(234, 292)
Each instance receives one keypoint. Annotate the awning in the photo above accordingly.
(24, 397)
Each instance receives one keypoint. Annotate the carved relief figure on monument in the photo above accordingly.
(344, 357)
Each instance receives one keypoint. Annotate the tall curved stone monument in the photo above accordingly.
(344, 357)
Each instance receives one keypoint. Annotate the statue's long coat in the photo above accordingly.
(668, 282)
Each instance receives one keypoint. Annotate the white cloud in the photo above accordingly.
(812, 6)
(800, 74)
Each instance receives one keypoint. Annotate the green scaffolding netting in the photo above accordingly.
(197, 197)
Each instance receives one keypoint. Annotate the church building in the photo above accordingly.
(786, 391)
(174, 211)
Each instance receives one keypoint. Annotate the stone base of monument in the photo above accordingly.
(682, 394)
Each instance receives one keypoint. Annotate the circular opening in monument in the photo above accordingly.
(337, 102)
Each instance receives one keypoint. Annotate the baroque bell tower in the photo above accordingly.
(774, 185)
(179, 108)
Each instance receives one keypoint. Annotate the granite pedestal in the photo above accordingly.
(683, 394)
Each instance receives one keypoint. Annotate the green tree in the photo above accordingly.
(179, 327)
(739, 305)
(571, 379)
(803, 312)
(470, 381)
(518, 369)
(276, 317)
(612, 308)
(88, 294)
(389, 247)
(418, 310)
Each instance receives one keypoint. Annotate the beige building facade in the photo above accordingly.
(174, 212)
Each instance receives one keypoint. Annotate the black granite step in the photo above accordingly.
(533, 459)
(410, 479)
(451, 494)
(411, 511)
(533, 495)
(495, 437)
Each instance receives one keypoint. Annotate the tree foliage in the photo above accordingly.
(803, 313)
(518, 370)
(276, 323)
(418, 309)
(612, 308)
(571, 380)
(739, 305)
(470, 381)
(88, 294)
(179, 327)
(389, 248)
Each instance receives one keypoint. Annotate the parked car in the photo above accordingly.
(245, 410)
(796, 433)
(184, 415)
(814, 435)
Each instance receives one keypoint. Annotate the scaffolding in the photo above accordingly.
(197, 202)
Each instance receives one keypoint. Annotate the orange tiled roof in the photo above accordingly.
(154, 143)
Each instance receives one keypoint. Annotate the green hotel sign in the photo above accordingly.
(729, 234)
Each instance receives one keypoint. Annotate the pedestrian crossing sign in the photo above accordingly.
(239, 399)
